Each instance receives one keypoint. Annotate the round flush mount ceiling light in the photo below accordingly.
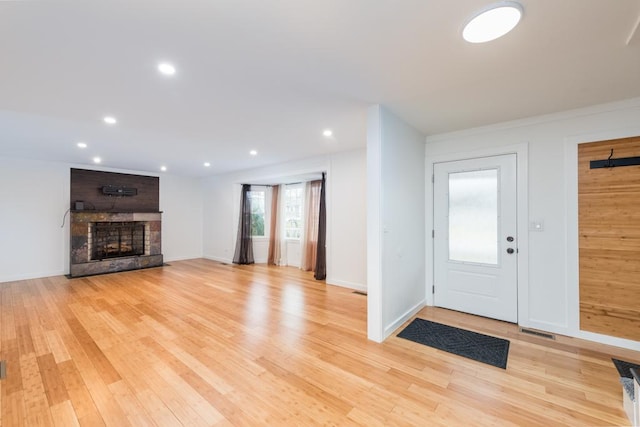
(97, 160)
(253, 152)
(492, 22)
(82, 144)
(207, 164)
(163, 168)
(327, 132)
(110, 120)
(166, 68)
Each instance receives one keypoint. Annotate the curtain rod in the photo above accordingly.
(289, 183)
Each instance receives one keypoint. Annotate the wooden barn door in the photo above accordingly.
(609, 243)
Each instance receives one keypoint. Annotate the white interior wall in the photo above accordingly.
(34, 197)
(552, 299)
(347, 214)
(219, 226)
(346, 181)
(182, 207)
(396, 222)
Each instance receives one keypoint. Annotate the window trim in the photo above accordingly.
(266, 213)
(299, 187)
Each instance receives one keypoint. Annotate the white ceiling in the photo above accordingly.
(270, 75)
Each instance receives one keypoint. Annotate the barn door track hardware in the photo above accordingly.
(610, 162)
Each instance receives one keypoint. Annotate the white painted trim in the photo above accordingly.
(547, 118)
(346, 284)
(328, 203)
(609, 340)
(375, 326)
(263, 175)
(182, 258)
(571, 238)
(400, 320)
(428, 231)
(219, 259)
(522, 153)
(29, 276)
(585, 335)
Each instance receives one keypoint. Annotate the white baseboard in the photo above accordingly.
(219, 259)
(608, 340)
(181, 258)
(230, 260)
(584, 335)
(29, 276)
(346, 284)
(400, 320)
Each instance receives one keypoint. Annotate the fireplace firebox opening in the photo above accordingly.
(117, 239)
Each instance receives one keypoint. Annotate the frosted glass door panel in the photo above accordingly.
(473, 216)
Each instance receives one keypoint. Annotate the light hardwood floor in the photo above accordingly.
(200, 343)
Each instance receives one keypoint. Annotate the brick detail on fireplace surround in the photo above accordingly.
(80, 260)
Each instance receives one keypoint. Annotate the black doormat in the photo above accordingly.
(623, 367)
(483, 348)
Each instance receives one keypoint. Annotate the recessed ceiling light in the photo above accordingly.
(207, 164)
(492, 22)
(97, 160)
(166, 68)
(163, 168)
(327, 133)
(82, 145)
(110, 120)
(253, 152)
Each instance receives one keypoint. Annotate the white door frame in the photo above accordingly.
(521, 151)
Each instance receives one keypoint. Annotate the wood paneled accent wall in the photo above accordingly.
(86, 186)
(609, 245)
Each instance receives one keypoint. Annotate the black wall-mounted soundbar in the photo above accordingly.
(112, 190)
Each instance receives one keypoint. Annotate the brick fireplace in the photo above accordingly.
(115, 222)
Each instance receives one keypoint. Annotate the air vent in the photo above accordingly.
(538, 333)
(3, 369)
(360, 293)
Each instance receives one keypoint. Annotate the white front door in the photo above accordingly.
(475, 241)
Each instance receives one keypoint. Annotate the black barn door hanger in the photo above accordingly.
(610, 162)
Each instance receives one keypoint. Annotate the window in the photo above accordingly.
(257, 198)
(473, 216)
(293, 196)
